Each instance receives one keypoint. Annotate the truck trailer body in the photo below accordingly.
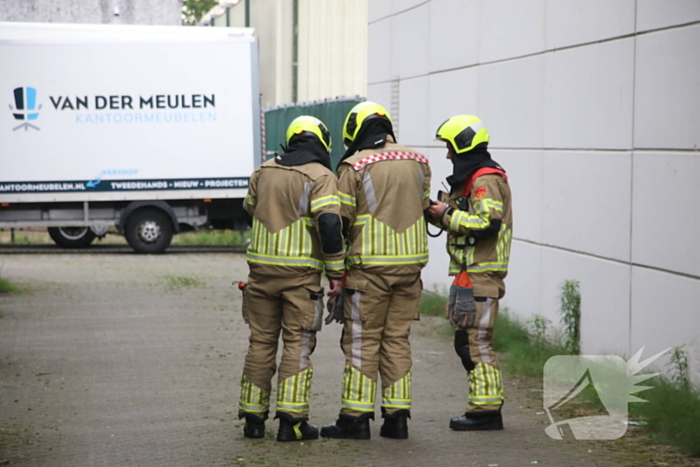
(151, 129)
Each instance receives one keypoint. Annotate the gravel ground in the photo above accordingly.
(115, 359)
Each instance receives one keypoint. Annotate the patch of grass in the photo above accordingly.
(212, 237)
(178, 282)
(7, 286)
(526, 348)
(433, 303)
(672, 413)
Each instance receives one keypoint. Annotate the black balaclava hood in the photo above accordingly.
(465, 164)
(373, 134)
(303, 149)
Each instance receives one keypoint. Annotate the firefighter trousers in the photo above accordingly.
(379, 311)
(292, 306)
(474, 345)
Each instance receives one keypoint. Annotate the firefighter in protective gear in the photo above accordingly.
(478, 218)
(296, 235)
(384, 191)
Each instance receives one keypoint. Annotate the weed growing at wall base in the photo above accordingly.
(526, 349)
(673, 409)
(7, 286)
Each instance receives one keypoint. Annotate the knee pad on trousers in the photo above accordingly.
(462, 349)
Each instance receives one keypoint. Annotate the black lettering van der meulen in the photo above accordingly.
(159, 101)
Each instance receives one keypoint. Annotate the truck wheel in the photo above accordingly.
(149, 231)
(72, 237)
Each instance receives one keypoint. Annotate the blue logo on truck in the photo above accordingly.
(25, 108)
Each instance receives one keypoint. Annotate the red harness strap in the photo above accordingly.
(479, 173)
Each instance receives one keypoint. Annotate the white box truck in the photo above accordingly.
(152, 129)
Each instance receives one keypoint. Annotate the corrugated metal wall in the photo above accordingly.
(331, 47)
(332, 113)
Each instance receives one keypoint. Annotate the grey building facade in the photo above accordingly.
(158, 12)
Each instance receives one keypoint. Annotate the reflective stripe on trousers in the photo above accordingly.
(359, 391)
(293, 393)
(398, 395)
(485, 385)
(253, 399)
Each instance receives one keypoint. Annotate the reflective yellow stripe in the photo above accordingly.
(485, 385)
(483, 267)
(347, 199)
(253, 399)
(290, 246)
(468, 221)
(489, 203)
(250, 200)
(387, 259)
(399, 394)
(383, 245)
(359, 391)
(299, 261)
(293, 392)
(324, 201)
(335, 265)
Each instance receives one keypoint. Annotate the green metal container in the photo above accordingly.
(332, 112)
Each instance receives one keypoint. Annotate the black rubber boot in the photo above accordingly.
(395, 425)
(478, 421)
(254, 426)
(348, 427)
(295, 429)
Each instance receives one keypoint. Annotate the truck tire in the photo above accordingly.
(149, 231)
(72, 237)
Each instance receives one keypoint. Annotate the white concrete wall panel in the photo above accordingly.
(397, 6)
(454, 34)
(380, 93)
(510, 28)
(451, 93)
(666, 218)
(665, 315)
(573, 22)
(379, 51)
(379, 9)
(586, 202)
(588, 96)
(605, 298)
(667, 101)
(524, 170)
(413, 118)
(410, 43)
(523, 282)
(655, 14)
(596, 130)
(511, 94)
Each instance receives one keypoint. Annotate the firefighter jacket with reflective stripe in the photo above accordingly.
(383, 193)
(285, 203)
(470, 239)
